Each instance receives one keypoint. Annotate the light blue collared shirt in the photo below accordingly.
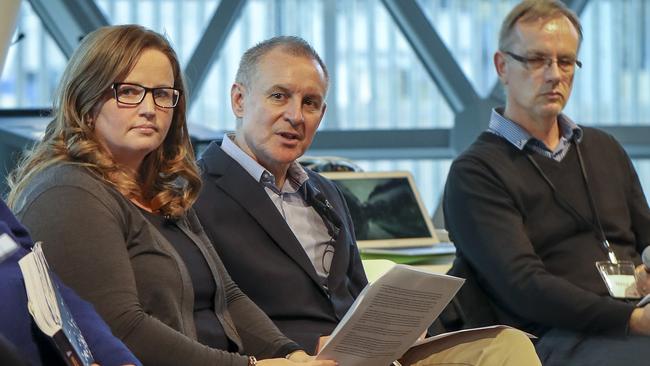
(304, 221)
(520, 138)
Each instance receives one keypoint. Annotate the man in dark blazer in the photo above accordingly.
(283, 232)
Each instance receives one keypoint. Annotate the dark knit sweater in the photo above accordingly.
(532, 257)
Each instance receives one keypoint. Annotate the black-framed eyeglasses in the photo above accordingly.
(566, 64)
(133, 94)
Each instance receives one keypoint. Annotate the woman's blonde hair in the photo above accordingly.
(168, 176)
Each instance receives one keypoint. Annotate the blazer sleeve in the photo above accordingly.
(489, 231)
(85, 243)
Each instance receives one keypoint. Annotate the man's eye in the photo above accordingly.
(311, 103)
(536, 61)
(565, 62)
(277, 96)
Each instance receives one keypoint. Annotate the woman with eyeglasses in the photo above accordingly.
(109, 191)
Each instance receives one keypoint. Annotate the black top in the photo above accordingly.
(532, 256)
(208, 328)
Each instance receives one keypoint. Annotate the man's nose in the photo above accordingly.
(294, 112)
(552, 70)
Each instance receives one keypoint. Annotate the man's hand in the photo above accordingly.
(642, 280)
(640, 321)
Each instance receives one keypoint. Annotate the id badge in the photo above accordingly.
(619, 279)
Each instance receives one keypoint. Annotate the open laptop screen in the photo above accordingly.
(386, 209)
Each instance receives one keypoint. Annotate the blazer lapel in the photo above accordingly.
(228, 175)
(339, 265)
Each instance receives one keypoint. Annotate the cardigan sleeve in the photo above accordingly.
(85, 243)
(489, 232)
(259, 335)
(107, 350)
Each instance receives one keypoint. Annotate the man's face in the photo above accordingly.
(538, 94)
(280, 110)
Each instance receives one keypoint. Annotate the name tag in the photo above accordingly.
(619, 279)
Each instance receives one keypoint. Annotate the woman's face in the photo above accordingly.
(130, 132)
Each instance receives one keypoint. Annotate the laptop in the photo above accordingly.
(388, 213)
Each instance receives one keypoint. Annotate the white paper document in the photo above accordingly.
(389, 316)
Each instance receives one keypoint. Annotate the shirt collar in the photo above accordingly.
(519, 137)
(296, 174)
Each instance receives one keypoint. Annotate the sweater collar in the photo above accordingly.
(519, 137)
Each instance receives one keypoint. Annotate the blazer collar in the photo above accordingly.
(228, 175)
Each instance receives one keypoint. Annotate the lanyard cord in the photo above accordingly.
(597, 227)
(592, 203)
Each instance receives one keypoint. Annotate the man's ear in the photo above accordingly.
(237, 94)
(501, 66)
(322, 114)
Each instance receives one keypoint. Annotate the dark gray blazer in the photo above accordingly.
(264, 257)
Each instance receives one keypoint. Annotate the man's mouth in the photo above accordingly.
(289, 135)
(553, 93)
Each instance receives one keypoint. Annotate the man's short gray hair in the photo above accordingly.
(291, 45)
(530, 10)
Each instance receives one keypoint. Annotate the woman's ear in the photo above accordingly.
(89, 121)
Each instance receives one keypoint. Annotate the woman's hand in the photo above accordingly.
(299, 356)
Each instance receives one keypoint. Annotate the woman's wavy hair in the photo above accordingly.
(168, 176)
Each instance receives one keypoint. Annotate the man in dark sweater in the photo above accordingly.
(529, 204)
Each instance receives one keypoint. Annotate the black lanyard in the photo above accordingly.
(597, 227)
